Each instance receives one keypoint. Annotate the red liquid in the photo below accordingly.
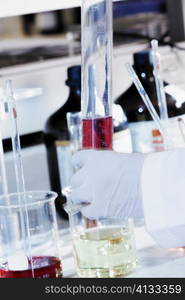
(44, 267)
(97, 133)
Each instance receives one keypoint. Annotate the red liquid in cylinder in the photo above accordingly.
(44, 267)
(97, 133)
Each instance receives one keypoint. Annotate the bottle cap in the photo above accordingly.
(74, 76)
(142, 58)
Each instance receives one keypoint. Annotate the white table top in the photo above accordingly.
(153, 261)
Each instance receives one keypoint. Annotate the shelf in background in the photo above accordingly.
(21, 7)
(127, 8)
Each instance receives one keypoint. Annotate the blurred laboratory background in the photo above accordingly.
(41, 53)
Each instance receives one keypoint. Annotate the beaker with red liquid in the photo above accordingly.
(29, 246)
(44, 267)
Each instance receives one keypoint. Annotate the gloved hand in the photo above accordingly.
(110, 182)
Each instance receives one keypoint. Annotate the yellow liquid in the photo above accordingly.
(104, 252)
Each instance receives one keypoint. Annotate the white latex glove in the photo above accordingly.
(110, 182)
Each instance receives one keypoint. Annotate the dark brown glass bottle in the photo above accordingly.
(56, 136)
(138, 117)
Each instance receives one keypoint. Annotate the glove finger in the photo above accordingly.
(80, 195)
(88, 213)
(91, 212)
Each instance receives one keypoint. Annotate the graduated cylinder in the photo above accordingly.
(97, 128)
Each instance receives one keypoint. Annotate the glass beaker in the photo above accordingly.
(104, 247)
(29, 236)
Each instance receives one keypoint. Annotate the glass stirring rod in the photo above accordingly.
(161, 96)
(18, 166)
(3, 175)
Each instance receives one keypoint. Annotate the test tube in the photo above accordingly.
(96, 105)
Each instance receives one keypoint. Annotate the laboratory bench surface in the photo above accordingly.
(153, 261)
